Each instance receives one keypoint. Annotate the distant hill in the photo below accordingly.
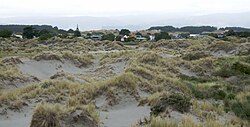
(190, 29)
(19, 28)
(135, 22)
(236, 29)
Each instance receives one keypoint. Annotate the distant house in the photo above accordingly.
(18, 36)
(152, 37)
(140, 38)
(124, 38)
(96, 37)
(175, 36)
(197, 35)
(216, 33)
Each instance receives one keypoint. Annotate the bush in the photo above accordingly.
(241, 67)
(162, 35)
(177, 101)
(195, 56)
(127, 80)
(46, 116)
(225, 71)
(242, 109)
(110, 37)
(219, 94)
(150, 58)
(5, 33)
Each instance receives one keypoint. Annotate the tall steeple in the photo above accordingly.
(77, 29)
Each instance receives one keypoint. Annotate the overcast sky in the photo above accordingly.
(9, 8)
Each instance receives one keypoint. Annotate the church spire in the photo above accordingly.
(77, 29)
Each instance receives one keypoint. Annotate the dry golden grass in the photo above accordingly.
(200, 106)
(185, 122)
(46, 115)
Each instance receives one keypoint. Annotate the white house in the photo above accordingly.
(124, 38)
(197, 35)
(151, 37)
(18, 36)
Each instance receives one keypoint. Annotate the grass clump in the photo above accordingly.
(126, 80)
(242, 67)
(178, 102)
(241, 106)
(195, 56)
(46, 115)
(159, 122)
(150, 58)
(82, 59)
(186, 121)
(47, 56)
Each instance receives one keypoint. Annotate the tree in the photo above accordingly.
(124, 32)
(5, 33)
(138, 34)
(70, 31)
(118, 38)
(230, 33)
(44, 35)
(162, 35)
(77, 33)
(129, 39)
(29, 32)
(110, 37)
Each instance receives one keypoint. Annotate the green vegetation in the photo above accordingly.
(29, 32)
(110, 37)
(190, 29)
(124, 32)
(187, 83)
(5, 33)
(177, 101)
(162, 35)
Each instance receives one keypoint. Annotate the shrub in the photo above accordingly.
(218, 94)
(242, 109)
(158, 122)
(83, 59)
(46, 115)
(126, 80)
(241, 67)
(5, 33)
(177, 101)
(225, 71)
(195, 56)
(150, 58)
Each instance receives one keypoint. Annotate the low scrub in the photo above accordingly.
(150, 58)
(195, 55)
(126, 80)
(81, 60)
(46, 115)
(242, 67)
(178, 102)
(185, 122)
(242, 109)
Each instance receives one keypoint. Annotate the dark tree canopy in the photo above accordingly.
(70, 31)
(110, 37)
(162, 35)
(190, 29)
(44, 35)
(19, 28)
(236, 29)
(29, 32)
(124, 32)
(5, 33)
(138, 34)
(77, 33)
